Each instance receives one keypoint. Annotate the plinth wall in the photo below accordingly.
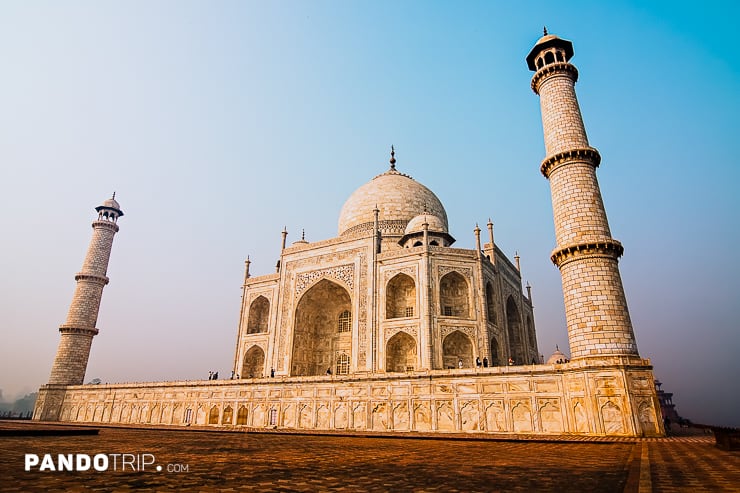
(614, 396)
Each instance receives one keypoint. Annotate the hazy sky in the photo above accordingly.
(218, 123)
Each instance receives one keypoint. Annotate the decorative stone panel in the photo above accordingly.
(466, 272)
(343, 273)
(491, 400)
(446, 330)
(265, 294)
(391, 331)
(390, 273)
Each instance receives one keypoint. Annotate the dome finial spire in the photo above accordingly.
(114, 196)
(393, 158)
(544, 30)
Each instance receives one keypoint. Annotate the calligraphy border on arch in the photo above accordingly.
(391, 331)
(250, 344)
(449, 329)
(390, 273)
(344, 273)
(446, 269)
(265, 294)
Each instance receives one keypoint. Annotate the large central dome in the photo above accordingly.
(398, 197)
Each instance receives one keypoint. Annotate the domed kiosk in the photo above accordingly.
(557, 357)
(433, 226)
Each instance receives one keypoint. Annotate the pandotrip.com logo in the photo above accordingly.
(99, 463)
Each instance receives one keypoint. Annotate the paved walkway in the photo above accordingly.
(235, 461)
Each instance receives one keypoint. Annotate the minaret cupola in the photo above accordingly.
(109, 210)
(548, 50)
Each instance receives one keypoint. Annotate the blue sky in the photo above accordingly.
(218, 123)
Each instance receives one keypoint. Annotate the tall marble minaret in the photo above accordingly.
(79, 329)
(586, 254)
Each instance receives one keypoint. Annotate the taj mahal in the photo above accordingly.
(388, 327)
(389, 295)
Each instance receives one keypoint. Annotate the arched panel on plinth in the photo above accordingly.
(213, 415)
(242, 415)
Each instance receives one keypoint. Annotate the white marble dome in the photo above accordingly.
(556, 356)
(111, 204)
(435, 224)
(398, 197)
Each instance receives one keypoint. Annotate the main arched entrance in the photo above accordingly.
(318, 333)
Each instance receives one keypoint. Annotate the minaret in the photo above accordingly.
(595, 306)
(78, 331)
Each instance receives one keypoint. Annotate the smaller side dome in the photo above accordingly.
(433, 222)
(557, 357)
(436, 228)
(302, 241)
